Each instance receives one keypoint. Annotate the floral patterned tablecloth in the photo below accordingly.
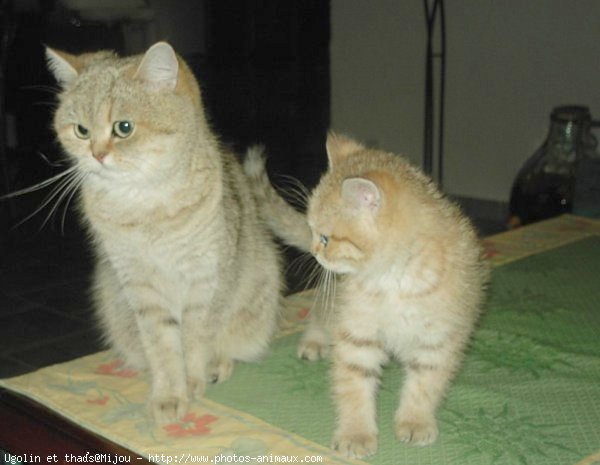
(529, 391)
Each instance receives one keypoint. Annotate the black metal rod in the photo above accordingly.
(442, 100)
(427, 123)
(429, 112)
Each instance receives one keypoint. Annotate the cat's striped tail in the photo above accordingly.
(284, 220)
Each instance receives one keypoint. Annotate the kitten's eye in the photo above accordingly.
(123, 129)
(323, 240)
(81, 131)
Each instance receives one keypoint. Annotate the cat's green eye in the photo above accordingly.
(81, 131)
(123, 129)
(323, 240)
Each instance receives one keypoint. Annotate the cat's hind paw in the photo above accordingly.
(417, 433)
(312, 350)
(220, 371)
(355, 445)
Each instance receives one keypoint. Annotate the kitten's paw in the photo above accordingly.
(169, 409)
(417, 433)
(195, 387)
(221, 371)
(355, 445)
(312, 350)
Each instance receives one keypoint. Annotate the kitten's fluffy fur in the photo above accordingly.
(187, 279)
(411, 288)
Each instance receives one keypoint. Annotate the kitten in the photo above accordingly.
(187, 278)
(411, 285)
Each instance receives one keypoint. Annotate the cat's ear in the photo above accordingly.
(159, 67)
(339, 147)
(64, 66)
(361, 193)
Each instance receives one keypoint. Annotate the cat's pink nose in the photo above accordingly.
(100, 155)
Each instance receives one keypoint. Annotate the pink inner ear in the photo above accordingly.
(159, 67)
(361, 193)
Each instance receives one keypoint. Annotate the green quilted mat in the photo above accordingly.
(528, 393)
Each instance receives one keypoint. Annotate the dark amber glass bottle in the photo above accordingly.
(545, 184)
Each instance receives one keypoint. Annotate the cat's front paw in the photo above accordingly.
(312, 350)
(168, 409)
(417, 432)
(355, 445)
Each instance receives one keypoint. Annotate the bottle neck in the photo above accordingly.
(567, 131)
(568, 141)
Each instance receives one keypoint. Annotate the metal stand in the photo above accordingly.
(431, 15)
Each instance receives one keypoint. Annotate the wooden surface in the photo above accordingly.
(29, 429)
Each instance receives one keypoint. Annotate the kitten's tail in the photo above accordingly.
(284, 220)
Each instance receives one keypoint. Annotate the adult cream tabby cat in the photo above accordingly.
(411, 285)
(187, 278)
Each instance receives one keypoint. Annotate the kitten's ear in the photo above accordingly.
(64, 66)
(361, 193)
(339, 147)
(159, 67)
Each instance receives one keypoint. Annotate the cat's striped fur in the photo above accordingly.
(187, 278)
(410, 285)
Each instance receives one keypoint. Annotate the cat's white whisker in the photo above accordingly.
(322, 291)
(291, 180)
(317, 301)
(40, 185)
(296, 195)
(314, 276)
(74, 188)
(55, 164)
(67, 191)
(331, 290)
(64, 182)
(333, 294)
(297, 265)
(324, 294)
(57, 196)
(295, 189)
(42, 87)
(304, 266)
